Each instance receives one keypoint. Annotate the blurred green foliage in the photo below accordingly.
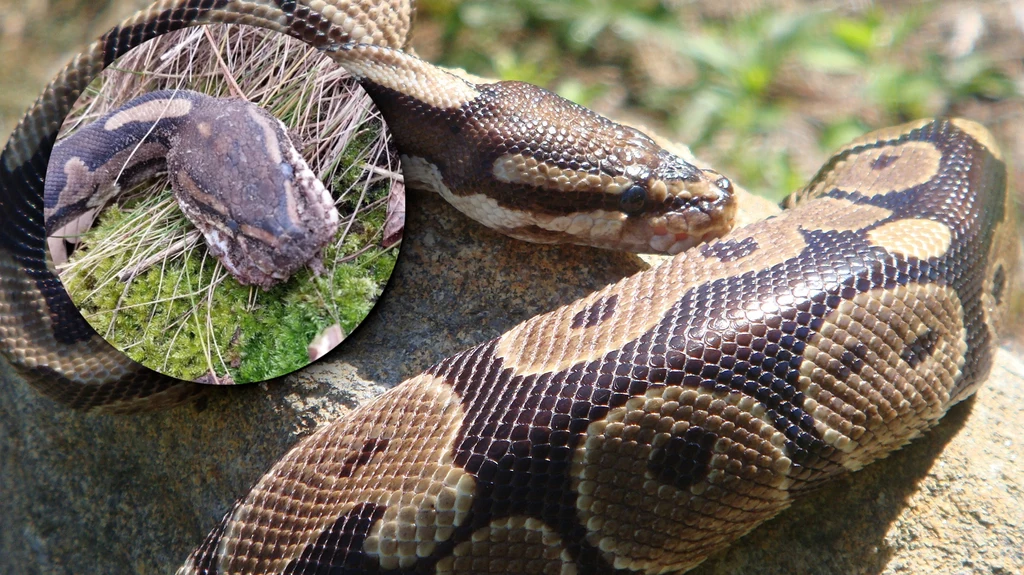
(743, 68)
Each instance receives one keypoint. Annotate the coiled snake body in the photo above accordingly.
(638, 429)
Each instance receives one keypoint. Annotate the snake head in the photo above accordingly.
(650, 202)
(659, 203)
(535, 166)
(676, 207)
(577, 177)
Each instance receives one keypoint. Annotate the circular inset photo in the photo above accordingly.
(223, 204)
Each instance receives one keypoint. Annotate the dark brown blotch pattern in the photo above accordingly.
(120, 39)
(730, 250)
(684, 460)
(337, 548)
(998, 284)
(597, 313)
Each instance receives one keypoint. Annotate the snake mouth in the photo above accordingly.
(698, 207)
(675, 243)
(696, 222)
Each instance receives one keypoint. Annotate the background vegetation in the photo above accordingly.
(762, 89)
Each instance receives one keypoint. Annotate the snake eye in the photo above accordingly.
(633, 200)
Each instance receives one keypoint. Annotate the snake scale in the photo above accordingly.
(636, 430)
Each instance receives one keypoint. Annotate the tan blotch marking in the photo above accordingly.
(78, 181)
(840, 215)
(421, 174)
(272, 128)
(979, 133)
(528, 171)
(71, 233)
(913, 238)
(384, 23)
(641, 522)
(149, 112)
(875, 171)
(196, 194)
(408, 75)
(550, 343)
(292, 203)
(204, 129)
(260, 235)
(890, 400)
(396, 451)
(597, 227)
(517, 544)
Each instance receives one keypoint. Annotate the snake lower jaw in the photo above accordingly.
(687, 230)
(676, 243)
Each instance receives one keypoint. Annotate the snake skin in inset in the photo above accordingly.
(233, 168)
(636, 430)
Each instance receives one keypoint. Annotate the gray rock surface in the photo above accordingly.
(104, 494)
